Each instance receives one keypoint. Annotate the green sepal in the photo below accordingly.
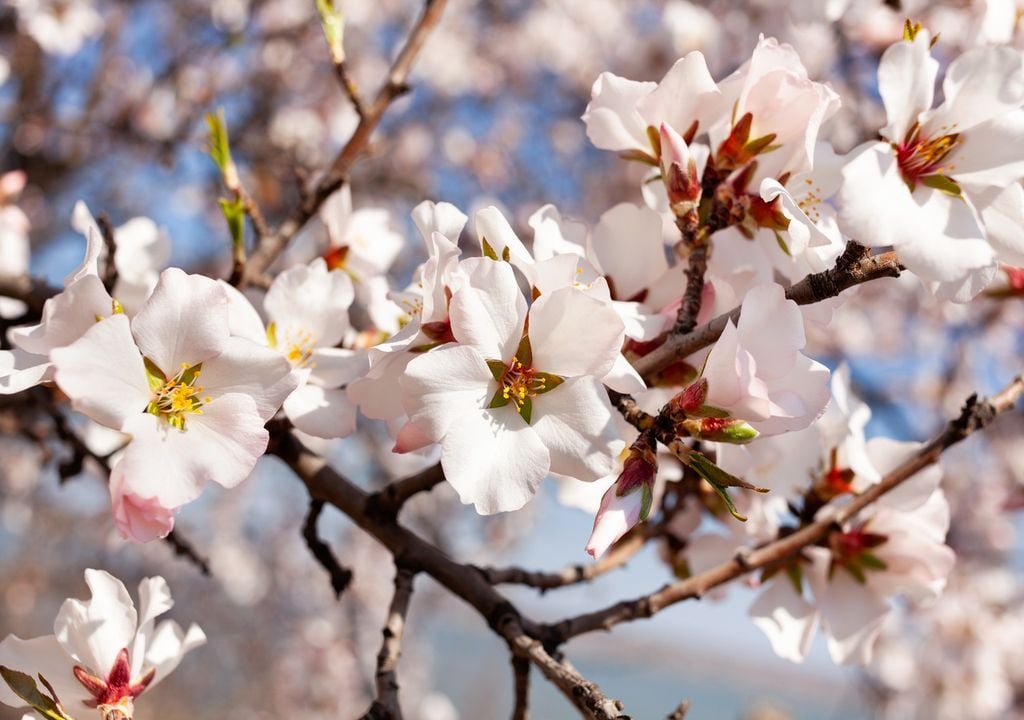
(506, 254)
(653, 137)
(497, 368)
(548, 382)
(488, 250)
(526, 409)
(856, 572)
(189, 375)
(25, 688)
(499, 399)
(720, 481)
(425, 347)
(782, 243)
(761, 145)
(646, 501)
(524, 353)
(711, 411)
(943, 184)
(639, 156)
(796, 576)
(154, 375)
(871, 561)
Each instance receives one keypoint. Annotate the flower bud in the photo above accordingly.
(679, 172)
(727, 430)
(629, 500)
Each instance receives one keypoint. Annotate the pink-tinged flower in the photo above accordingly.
(361, 242)
(65, 317)
(508, 408)
(307, 313)
(621, 111)
(104, 653)
(678, 172)
(629, 500)
(896, 546)
(756, 372)
(943, 176)
(770, 109)
(192, 397)
(426, 304)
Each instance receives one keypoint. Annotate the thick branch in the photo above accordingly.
(696, 268)
(392, 497)
(386, 706)
(272, 245)
(854, 267)
(975, 415)
(521, 680)
(464, 581)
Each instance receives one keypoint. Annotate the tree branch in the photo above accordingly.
(853, 267)
(386, 706)
(340, 576)
(31, 291)
(975, 415)
(392, 497)
(521, 681)
(395, 86)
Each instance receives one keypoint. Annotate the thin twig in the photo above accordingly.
(975, 415)
(395, 86)
(853, 267)
(386, 706)
(680, 712)
(340, 576)
(348, 86)
(183, 548)
(392, 497)
(110, 267)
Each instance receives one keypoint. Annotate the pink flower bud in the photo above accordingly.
(629, 500)
(141, 519)
(678, 171)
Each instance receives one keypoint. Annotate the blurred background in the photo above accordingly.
(103, 101)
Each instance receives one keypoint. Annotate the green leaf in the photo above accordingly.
(720, 480)
(646, 500)
(234, 213)
(191, 373)
(220, 145)
(497, 368)
(154, 375)
(25, 687)
(332, 20)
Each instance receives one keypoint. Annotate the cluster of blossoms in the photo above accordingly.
(510, 362)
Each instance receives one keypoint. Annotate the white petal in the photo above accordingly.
(169, 645)
(682, 96)
(488, 313)
(251, 369)
(83, 221)
(575, 422)
(771, 329)
(65, 317)
(624, 378)
(906, 82)
(991, 154)
(445, 218)
(141, 519)
(786, 618)
(320, 412)
(1002, 212)
(243, 320)
(494, 460)
(492, 226)
(627, 244)
(184, 321)
(554, 235)
(307, 301)
(335, 367)
(442, 386)
(955, 249)
(154, 600)
(572, 334)
(97, 630)
(103, 374)
(611, 117)
(980, 84)
(876, 208)
(20, 371)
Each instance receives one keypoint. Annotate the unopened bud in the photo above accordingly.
(692, 398)
(678, 171)
(727, 430)
(629, 500)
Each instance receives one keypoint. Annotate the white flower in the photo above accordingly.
(103, 651)
(307, 312)
(509, 408)
(756, 371)
(14, 246)
(943, 174)
(59, 26)
(193, 398)
(361, 241)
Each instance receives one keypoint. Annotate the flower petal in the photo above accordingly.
(786, 618)
(321, 412)
(906, 82)
(575, 422)
(43, 656)
(442, 386)
(573, 334)
(96, 631)
(612, 119)
(489, 311)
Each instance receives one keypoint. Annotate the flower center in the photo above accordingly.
(922, 157)
(296, 345)
(519, 382)
(853, 550)
(175, 397)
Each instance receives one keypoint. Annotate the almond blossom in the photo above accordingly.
(104, 652)
(307, 311)
(756, 372)
(193, 398)
(943, 187)
(14, 246)
(509, 407)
